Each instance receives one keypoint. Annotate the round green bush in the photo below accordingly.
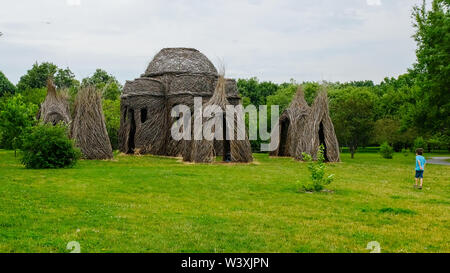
(386, 151)
(49, 147)
(420, 143)
(405, 152)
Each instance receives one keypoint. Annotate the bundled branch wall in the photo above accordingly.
(205, 151)
(307, 128)
(55, 107)
(88, 127)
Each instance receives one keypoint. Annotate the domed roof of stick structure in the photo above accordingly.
(180, 60)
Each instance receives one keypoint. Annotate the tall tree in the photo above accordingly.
(256, 91)
(37, 76)
(282, 97)
(111, 110)
(352, 111)
(16, 117)
(433, 65)
(65, 78)
(110, 86)
(6, 87)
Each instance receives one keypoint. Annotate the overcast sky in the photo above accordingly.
(307, 40)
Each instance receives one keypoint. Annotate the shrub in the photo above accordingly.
(35, 96)
(318, 180)
(420, 143)
(386, 151)
(6, 87)
(111, 110)
(438, 142)
(405, 152)
(49, 147)
(16, 119)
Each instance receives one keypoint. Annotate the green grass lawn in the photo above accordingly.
(153, 204)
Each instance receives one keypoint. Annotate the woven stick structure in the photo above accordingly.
(303, 129)
(88, 127)
(55, 108)
(292, 121)
(204, 151)
(174, 77)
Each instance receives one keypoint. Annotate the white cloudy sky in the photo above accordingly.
(335, 40)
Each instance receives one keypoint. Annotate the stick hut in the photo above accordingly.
(303, 129)
(55, 108)
(88, 127)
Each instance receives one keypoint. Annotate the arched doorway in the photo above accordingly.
(283, 151)
(132, 132)
(322, 141)
(226, 142)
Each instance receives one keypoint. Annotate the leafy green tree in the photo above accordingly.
(317, 170)
(110, 86)
(386, 151)
(282, 97)
(439, 142)
(436, 143)
(16, 119)
(255, 90)
(390, 131)
(35, 96)
(36, 81)
(246, 101)
(311, 89)
(420, 143)
(6, 87)
(433, 65)
(361, 83)
(111, 110)
(65, 78)
(256, 93)
(386, 130)
(112, 91)
(99, 77)
(37, 76)
(352, 111)
(405, 152)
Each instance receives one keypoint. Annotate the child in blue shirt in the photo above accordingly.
(420, 167)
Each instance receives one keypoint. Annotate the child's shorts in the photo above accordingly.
(419, 174)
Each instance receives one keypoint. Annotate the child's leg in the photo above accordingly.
(421, 182)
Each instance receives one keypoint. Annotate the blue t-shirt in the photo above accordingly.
(422, 161)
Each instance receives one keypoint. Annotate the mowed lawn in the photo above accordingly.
(154, 204)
